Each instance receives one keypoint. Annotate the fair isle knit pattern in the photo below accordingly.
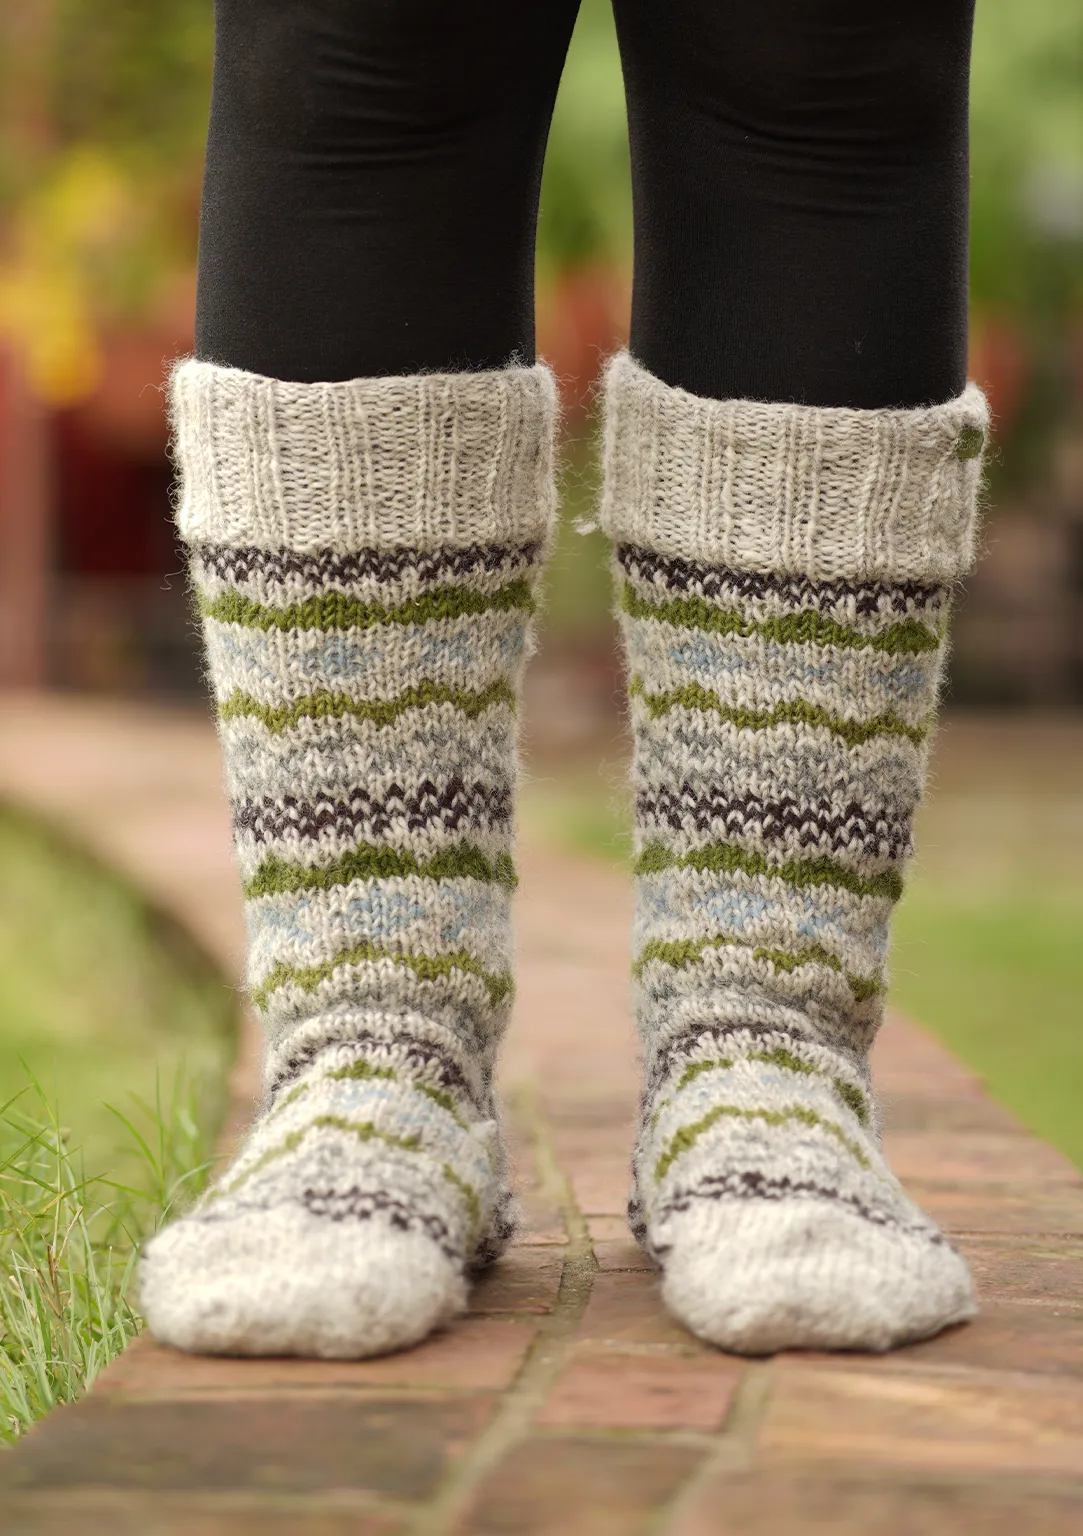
(783, 576)
(364, 558)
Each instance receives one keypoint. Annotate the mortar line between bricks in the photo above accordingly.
(552, 1346)
(201, 1503)
(734, 1449)
(989, 1233)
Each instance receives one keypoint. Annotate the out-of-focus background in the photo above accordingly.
(103, 108)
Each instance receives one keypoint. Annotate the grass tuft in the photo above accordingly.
(69, 1242)
(97, 990)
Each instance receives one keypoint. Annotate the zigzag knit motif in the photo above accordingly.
(367, 699)
(784, 650)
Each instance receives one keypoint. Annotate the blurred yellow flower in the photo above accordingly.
(58, 238)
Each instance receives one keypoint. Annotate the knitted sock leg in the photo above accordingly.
(364, 557)
(783, 575)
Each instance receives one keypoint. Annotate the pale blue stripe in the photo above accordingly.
(277, 667)
(777, 672)
(683, 903)
(432, 916)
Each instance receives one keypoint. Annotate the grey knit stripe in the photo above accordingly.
(470, 1041)
(376, 1035)
(811, 763)
(755, 970)
(429, 916)
(739, 1008)
(459, 1000)
(330, 757)
(760, 1190)
(276, 667)
(404, 1049)
(792, 1109)
(678, 1058)
(697, 905)
(752, 673)
(438, 1137)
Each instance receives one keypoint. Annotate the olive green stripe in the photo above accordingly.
(680, 953)
(473, 1204)
(907, 637)
(334, 610)
(686, 1138)
(464, 861)
(324, 705)
(725, 858)
(364, 1130)
(851, 1096)
(364, 1071)
(793, 712)
(426, 967)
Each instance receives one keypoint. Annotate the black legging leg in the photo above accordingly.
(800, 171)
(371, 191)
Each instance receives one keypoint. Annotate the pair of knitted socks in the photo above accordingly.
(365, 557)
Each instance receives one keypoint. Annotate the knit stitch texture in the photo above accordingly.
(364, 557)
(783, 591)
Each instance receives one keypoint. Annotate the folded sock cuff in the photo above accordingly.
(429, 461)
(823, 492)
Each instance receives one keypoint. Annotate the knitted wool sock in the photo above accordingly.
(364, 557)
(783, 575)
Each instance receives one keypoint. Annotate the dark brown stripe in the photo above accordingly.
(700, 1040)
(783, 820)
(502, 1228)
(407, 1054)
(326, 568)
(358, 1204)
(686, 578)
(451, 807)
(749, 1184)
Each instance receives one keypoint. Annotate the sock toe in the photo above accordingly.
(358, 1291)
(807, 1280)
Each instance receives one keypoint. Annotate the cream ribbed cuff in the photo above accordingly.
(422, 462)
(821, 491)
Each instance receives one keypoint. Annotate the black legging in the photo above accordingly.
(799, 167)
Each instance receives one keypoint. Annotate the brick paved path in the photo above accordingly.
(566, 1402)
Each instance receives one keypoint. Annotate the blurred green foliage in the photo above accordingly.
(109, 1013)
(99, 999)
(586, 204)
(1027, 157)
(103, 107)
(133, 76)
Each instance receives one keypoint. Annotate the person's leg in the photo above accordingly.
(792, 469)
(801, 179)
(364, 550)
(371, 190)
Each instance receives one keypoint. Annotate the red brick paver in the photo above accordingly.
(566, 1401)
